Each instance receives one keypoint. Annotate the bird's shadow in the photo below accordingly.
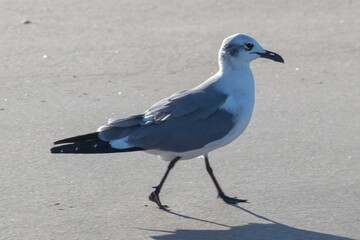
(251, 231)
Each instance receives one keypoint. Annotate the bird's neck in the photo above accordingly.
(239, 72)
(237, 79)
(226, 65)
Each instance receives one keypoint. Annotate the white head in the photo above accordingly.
(239, 49)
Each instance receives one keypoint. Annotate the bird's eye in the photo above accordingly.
(249, 46)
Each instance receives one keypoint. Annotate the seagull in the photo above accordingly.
(190, 123)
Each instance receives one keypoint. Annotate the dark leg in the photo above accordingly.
(154, 196)
(220, 191)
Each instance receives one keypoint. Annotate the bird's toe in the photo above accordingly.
(230, 200)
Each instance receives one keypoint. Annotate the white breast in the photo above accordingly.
(239, 86)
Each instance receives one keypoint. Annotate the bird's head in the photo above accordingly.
(241, 48)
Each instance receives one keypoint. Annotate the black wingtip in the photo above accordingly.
(90, 147)
(85, 137)
(87, 144)
(55, 150)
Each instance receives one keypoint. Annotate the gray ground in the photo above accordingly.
(80, 62)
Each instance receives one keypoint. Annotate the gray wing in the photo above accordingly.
(179, 135)
(185, 121)
(120, 128)
(191, 105)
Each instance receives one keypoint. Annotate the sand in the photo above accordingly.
(66, 67)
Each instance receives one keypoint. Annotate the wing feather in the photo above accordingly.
(184, 121)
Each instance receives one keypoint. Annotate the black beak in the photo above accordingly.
(271, 55)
